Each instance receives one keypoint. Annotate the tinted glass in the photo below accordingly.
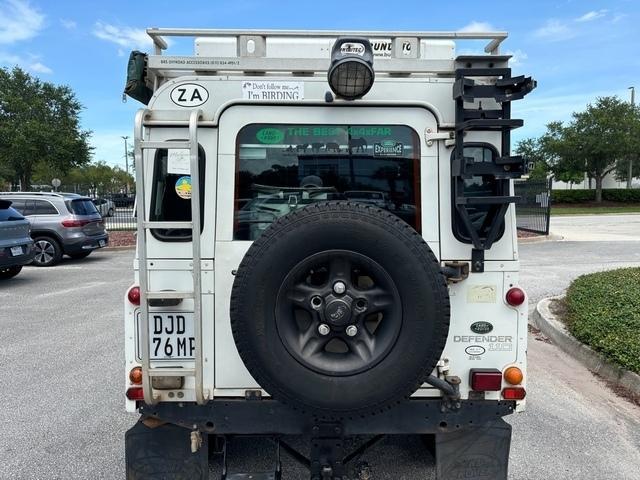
(171, 197)
(82, 206)
(8, 214)
(281, 168)
(478, 186)
(42, 207)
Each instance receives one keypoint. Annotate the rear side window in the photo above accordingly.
(42, 207)
(171, 197)
(479, 186)
(284, 167)
(81, 206)
(20, 205)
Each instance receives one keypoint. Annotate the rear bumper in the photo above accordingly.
(87, 243)
(255, 417)
(9, 260)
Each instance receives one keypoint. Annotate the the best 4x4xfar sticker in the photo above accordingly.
(183, 187)
(388, 148)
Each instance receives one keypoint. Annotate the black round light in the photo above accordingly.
(351, 72)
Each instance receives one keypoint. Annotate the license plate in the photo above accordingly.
(102, 243)
(171, 336)
(15, 251)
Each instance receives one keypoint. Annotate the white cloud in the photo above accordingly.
(554, 30)
(31, 63)
(475, 27)
(19, 21)
(126, 37)
(592, 15)
(518, 57)
(68, 24)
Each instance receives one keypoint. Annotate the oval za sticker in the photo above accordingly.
(183, 187)
(189, 95)
(474, 350)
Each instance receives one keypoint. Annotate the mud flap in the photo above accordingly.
(164, 453)
(478, 453)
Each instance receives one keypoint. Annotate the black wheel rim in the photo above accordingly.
(336, 332)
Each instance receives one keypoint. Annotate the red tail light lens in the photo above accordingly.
(75, 223)
(135, 393)
(514, 393)
(486, 380)
(515, 297)
(134, 295)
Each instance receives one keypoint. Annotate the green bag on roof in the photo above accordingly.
(136, 86)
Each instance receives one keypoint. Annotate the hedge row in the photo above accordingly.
(603, 311)
(624, 195)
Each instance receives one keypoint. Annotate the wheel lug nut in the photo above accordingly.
(316, 302)
(351, 330)
(339, 288)
(324, 329)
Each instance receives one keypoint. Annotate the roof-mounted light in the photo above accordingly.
(351, 72)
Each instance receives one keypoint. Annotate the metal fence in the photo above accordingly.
(533, 210)
(116, 207)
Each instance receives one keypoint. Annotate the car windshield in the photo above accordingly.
(284, 167)
(81, 206)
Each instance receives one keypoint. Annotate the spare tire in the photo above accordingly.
(340, 309)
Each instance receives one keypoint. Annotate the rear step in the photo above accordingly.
(275, 475)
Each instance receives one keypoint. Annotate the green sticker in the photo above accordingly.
(270, 135)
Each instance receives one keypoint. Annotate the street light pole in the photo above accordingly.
(630, 168)
(126, 162)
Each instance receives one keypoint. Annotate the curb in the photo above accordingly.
(552, 237)
(542, 318)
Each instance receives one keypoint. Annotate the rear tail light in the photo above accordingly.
(135, 393)
(135, 375)
(513, 375)
(514, 393)
(70, 223)
(486, 380)
(134, 295)
(515, 296)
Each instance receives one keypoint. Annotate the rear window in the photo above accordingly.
(81, 206)
(284, 167)
(7, 213)
(171, 196)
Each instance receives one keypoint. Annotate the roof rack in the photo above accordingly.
(251, 51)
(44, 194)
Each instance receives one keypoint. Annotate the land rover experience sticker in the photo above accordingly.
(388, 148)
(183, 187)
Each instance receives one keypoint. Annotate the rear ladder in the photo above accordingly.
(144, 226)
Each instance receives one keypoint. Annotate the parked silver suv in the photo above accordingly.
(61, 223)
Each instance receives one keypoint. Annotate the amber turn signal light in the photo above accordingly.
(135, 375)
(513, 375)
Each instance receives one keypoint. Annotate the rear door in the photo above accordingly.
(274, 160)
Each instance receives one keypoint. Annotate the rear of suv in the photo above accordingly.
(61, 224)
(16, 246)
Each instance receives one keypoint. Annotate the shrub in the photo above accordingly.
(623, 195)
(603, 311)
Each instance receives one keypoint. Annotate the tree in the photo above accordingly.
(39, 124)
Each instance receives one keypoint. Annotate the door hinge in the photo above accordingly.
(431, 135)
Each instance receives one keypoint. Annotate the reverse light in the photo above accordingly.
(135, 393)
(486, 380)
(513, 375)
(134, 295)
(70, 223)
(135, 375)
(515, 296)
(351, 72)
(514, 393)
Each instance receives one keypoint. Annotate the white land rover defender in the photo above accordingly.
(326, 247)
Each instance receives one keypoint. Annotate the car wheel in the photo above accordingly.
(110, 212)
(48, 252)
(9, 272)
(340, 309)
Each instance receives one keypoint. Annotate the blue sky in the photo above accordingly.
(577, 50)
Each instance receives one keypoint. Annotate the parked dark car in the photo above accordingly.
(16, 246)
(122, 200)
(61, 223)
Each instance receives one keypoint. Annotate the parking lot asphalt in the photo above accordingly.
(62, 377)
